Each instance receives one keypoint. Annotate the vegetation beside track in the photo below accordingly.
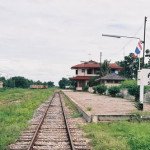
(75, 113)
(16, 109)
(119, 135)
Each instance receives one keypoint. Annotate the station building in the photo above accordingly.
(86, 70)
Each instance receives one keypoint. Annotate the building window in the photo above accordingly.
(83, 70)
(89, 71)
(76, 71)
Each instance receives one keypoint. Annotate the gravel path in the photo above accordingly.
(103, 105)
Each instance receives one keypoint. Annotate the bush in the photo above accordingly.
(93, 82)
(147, 89)
(94, 89)
(101, 89)
(114, 90)
(89, 108)
(85, 88)
(134, 90)
(128, 83)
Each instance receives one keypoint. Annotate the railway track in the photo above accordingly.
(52, 130)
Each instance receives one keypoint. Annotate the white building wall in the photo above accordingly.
(80, 73)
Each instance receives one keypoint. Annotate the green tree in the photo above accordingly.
(20, 82)
(130, 65)
(104, 69)
(50, 84)
(3, 80)
(64, 82)
(10, 83)
(38, 82)
(93, 82)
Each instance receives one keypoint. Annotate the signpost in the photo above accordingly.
(143, 79)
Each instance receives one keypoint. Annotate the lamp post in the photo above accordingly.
(120, 36)
(132, 37)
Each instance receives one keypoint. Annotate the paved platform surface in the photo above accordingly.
(103, 105)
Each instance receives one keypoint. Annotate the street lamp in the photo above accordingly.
(131, 37)
(119, 36)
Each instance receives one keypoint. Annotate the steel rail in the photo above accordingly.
(67, 126)
(39, 126)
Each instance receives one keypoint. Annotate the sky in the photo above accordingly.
(42, 39)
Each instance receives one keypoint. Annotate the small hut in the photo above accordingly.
(111, 79)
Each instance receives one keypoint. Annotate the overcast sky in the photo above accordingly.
(42, 39)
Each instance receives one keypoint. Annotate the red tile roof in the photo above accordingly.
(93, 64)
(81, 78)
(90, 64)
(115, 66)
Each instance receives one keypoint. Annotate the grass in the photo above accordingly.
(16, 109)
(119, 135)
(74, 111)
(141, 113)
(88, 108)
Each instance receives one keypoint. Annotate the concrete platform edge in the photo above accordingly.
(86, 116)
(100, 118)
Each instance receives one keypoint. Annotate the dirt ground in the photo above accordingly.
(103, 105)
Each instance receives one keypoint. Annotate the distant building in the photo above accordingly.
(1, 84)
(85, 71)
(38, 86)
(111, 79)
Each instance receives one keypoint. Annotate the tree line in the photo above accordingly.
(22, 82)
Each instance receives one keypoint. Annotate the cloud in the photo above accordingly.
(42, 39)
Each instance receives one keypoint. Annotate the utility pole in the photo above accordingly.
(100, 58)
(145, 19)
(100, 64)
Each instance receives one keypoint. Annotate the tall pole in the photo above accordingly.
(100, 58)
(145, 19)
(100, 65)
(141, 85)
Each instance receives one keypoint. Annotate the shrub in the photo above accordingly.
(88, 108)
(94, 89)
(114, 90)
(93, 82)
(101, 88)
(147, 89)
(134, 90)
(85, 88)
(128, 83)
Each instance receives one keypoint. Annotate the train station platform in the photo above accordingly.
(102, 107)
